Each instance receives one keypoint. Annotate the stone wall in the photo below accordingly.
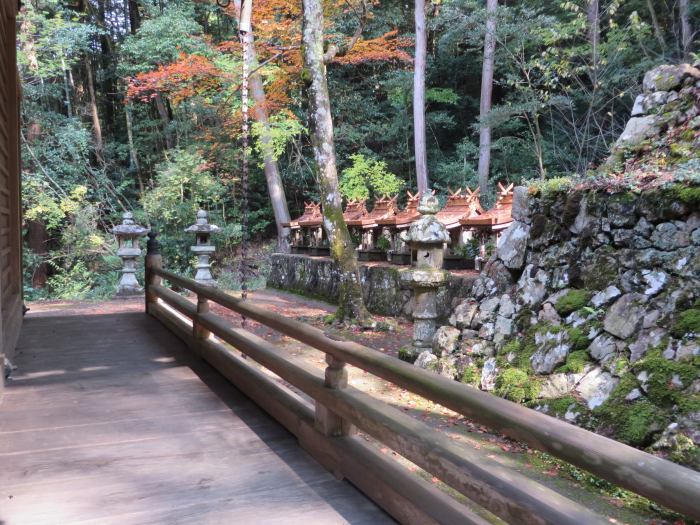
(383, 291)
(590, 310)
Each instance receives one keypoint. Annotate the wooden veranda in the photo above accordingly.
(108, 419)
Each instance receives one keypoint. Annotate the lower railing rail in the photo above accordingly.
(326, 430)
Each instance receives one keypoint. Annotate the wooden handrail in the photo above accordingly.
(666, 483)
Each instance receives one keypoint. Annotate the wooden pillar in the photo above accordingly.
(328, 422)
(199, 333)
(153, 261)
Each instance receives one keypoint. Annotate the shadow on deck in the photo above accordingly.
(109, 420)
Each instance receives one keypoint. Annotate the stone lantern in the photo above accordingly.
(128, 234)
(426, 237)
(203, 249)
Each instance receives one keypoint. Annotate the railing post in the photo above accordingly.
(199, 333)
(328, 422)
(153, 261)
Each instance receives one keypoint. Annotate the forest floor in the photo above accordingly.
(620, 507)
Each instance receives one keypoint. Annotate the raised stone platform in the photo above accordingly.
(384, 292)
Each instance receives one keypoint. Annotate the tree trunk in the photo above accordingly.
(66, 89)
(165, 120)
(486, 96)
(655, 24)
(37, 237)
(133, 156)
(593, 16)
(350, 303)
(134, 16)
(96, 127)
(419, 139)
(272, 173)
(686, 31)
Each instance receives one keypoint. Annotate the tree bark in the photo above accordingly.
(272, 173)
(655, 24)
(165, 120)
(686, 30)
(96, 126)
(37, 238)
(593, 16)
(134, 16)
(350, 302)
(133, 156)
(486, 96)
(419, 140)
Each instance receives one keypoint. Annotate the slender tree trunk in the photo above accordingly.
(658, 33)
(133, 155)
(593, 16)
(486, 96)
(272, 173)
(134, 16)
(66, 88)
(686, 30)
(96, 126)
(165, 120)
(419, 65)
(350, 303)
(37, 237)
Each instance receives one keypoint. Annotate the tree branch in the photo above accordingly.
(335, 51)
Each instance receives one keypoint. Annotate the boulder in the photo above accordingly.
(584, 221)
(606, 296)
(445, 340)
(488, 374)
(532, 286)
(559, 385)
(624, 316)
(656, 281)
(464, 313)
(646, 339)
(513, 244)
(502, 329)
(596, 387)
(667, 236)
(668, 77)
(520, 210)
(638, 129)
(426, 360)
(552, 350)
(506, 307)
(603, 348)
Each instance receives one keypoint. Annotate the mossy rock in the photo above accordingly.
(663, 376)
(407, 354)
(633, 423)
(688, 322)
(573, 300)
(575, 363)
(515, 385)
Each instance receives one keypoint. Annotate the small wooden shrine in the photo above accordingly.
(487, 227)
(392, 226)
(369, 230)
(461, 204)
(307, 230)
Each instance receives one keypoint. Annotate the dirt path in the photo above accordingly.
(619, 506)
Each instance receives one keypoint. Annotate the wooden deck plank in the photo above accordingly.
(109, 420)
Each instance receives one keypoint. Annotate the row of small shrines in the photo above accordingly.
(378, 232)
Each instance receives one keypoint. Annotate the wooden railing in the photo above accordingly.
(326, 430)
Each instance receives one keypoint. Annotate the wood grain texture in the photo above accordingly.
(110, 420)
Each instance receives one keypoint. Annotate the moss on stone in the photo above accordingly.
(407, 354)
(573, 300)
(515, 385)
(575, 363)
(578, 338)
(633, 423)
(471, 375)
(685, 452)
(666, 379)
(688, 322)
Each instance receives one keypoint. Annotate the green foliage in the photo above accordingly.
(515, 385)
(573, 300)
(368, 177)
(471, 375)
(280, 131)
(383, 243)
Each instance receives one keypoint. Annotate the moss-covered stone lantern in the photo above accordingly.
(203, 249)
(427, 237)
(128, 234)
